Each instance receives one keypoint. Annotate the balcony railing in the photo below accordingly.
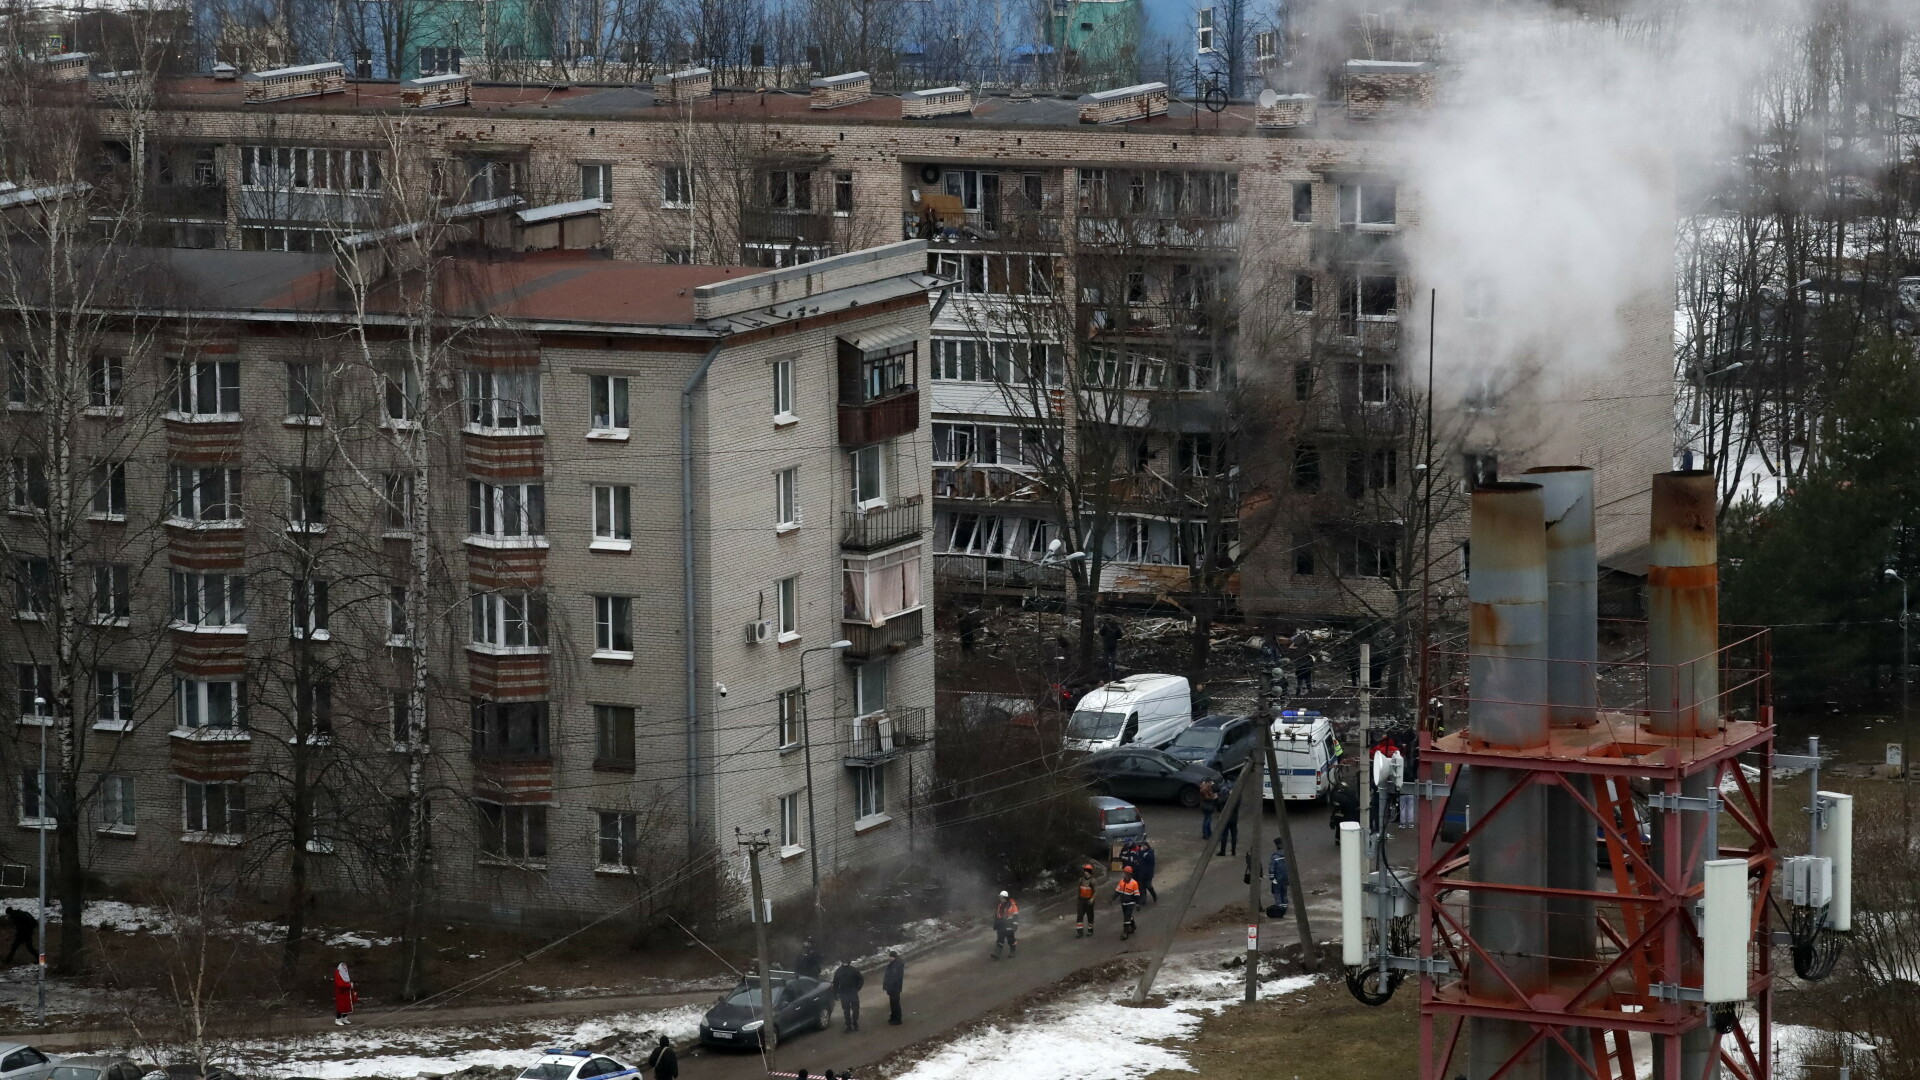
(763, 225)
(882, 526)
(984, 482)
(880, 737)
(1163, 232)
(881, 419)
(901, 632)
(980, 573)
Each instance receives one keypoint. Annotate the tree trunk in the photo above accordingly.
(301, 822)
(1200, 640)
(72, 879)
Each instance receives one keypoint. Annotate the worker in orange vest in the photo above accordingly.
(1128, 893)
(1006, 922)
(1083, 916)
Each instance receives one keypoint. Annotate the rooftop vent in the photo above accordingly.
(1387, 89)
(225, 72)
(436, 91)
(66, 67)
(945, 101)
(1279, 111)
(834, 91)
(1124, 104)
(308, 80)
(119, 85)
(688, 85)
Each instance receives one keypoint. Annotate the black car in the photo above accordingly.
(799, 1004)
(1139, 774)
(1221, 743)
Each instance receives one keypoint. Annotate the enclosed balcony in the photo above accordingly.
(879, 384)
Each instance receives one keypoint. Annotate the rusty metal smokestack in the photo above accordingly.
(1683, 607)
(1573, 648)
(1507, 588)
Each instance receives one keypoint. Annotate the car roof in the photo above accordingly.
(1217, 720)
(94, 1060)
(1108, 802)
(10, 1047)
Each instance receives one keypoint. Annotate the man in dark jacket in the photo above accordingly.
(664, 1062)
(847, 982)
(891, 982)
(1142, 858)
(25, 927)
(809, 962)
(1230, 823)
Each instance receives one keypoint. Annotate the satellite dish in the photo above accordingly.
(1268, 98)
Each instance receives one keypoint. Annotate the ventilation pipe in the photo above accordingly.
(1507, 588)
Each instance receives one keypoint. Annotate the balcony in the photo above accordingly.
(881, 419)
(880, 737)
(984, 482)
(985, 573)
(899, 633)
(761, 225)
(188, 201)
(882, 526)
(1181, 233)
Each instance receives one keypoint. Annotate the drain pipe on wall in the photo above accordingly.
(691, 626)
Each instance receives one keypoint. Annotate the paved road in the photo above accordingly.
(957, 983)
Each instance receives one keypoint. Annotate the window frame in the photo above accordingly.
(194, 708)
(786, 499)
(612, 517)
(625, 840)
(869, 793)
(106, 385)
(207, 601)
(612, 626)
(109, 481)
(192, 382)
(601, 186)
(613, 736)
(783, 391)
(676, 187)
(787, 608)
(506, 515)
(113, 699)
(489, 409)
(789, 719)
(116, 806)
(508, 621)
(609, 391)
(506, 822)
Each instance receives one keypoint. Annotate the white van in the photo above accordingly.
(1304, 751)
(1140, 710)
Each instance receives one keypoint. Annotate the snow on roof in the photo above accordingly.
(484, 206)
(304, 69)
(12, 196)
(1396, 66)
(576, 208)
(1126, 92)
(840, 80)
(436, 80)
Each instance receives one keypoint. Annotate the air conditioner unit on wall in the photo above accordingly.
(759, 631)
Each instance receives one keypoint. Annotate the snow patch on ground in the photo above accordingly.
(125, 918)
(1092, 1036)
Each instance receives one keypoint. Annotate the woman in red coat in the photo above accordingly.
(343, 996)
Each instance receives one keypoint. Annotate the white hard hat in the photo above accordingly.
(1003, 894)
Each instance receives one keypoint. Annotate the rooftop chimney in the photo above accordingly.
(1388, 89)
(690, 84)
(1123, 104)
(945, 101)
(833, 91)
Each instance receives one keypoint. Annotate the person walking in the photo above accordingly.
(1006, 925)
(1110, 646)
(1303, 673)
(1083, 913)
(847, 982)
(1127, 892)
(25, 929)
(1209, 797)
(344, 995)
(663, 1061)
(1143, 859)
(1277, 878)
(1230, 827)
(809, 963)
(894, 978)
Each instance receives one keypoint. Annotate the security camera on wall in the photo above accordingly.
(720, 688)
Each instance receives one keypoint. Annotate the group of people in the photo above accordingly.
(1218, 799)
(848, 981)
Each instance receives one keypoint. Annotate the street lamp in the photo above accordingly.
(45, 718)
(1905, 653)
(806, 749)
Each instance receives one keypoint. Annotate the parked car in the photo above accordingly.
(1119, 820)
(95, 1067)
(1221, 743)
(1140, 774)
(1141, 710)
(577, 1065)
(18, 1061)
(799, 1004)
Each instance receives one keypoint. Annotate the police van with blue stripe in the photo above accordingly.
(579, 1065)
(1304, 751)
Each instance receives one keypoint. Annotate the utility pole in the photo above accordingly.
(1366, 739)
(1256, 911)
(1295, 886)
(769, 1031)
(1906, 717)
(40, 930)
(1145, 986)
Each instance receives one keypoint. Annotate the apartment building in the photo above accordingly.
(1124, 254)
(630, 560)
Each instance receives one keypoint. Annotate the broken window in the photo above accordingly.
(1302, 202)
(1306, 467)
(1368, 204)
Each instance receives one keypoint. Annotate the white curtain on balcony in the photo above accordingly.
(879, 588)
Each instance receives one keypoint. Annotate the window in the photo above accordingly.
(516, 833)
(503, 400)
(980, 444)
(612, 517)
(109, 481)
(607, 396)
(510, 619)
(1481, 468)
(791, 708)
(208, 600)
(363, 63)
(879, 588)
(206, 493)
(1303, 554)
(789, 812)
(1303, 294)
(309, 168)
(884, 376)
(789, 190)
(613, 625)
(28, 491)
(115, 804)
(869, 792)
(35, 696)
(1266, 45)
(440, 60)
(205, 389)
(209, 705)
(786, 499)
(868, 468)
(306, 500)
(1383, 470)
(1368, 298)
(783, 389)
(1306, 467)
(1206, 29)
(400, 712)
(1302, 202)
(215, 809)
(1367, 205)
(510, 729)
(619, 840)
(613, 735)
(34, 810)
(676, 256)
(313, 706)
(32, 587)
(788, 593)
(309, 609)
(402, 386)
(870, 688)
(397, 495)
(506, 510)
(996, 275)
(106, 383)
(1366, 384)
(1020, 363)
(26, 381)
(676, 187)
(304, 395)
(112, 593)
(399, 628)
(596, 182)
(1201, 455)
(113, 698)
(843, 193)
(1368, 556)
